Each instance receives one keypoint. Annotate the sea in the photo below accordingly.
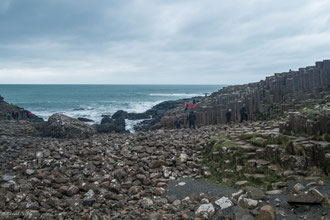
(93, 101)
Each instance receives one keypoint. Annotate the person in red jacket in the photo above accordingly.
(192, 106)
(185, 106)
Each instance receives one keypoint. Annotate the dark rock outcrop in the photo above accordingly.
(62, 126)
(151, 116)
(109, 125)
(85, 119)
(6, 108)
(156, 113)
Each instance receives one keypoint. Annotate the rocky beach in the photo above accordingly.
(275, 166)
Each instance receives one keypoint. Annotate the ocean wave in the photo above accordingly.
(139, 107)
(176, 94)
(95, 111)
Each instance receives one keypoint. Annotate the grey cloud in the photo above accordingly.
(161, 41)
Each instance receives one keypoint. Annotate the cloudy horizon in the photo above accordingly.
(160, 41)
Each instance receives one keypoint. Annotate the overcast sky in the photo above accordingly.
(159, 41)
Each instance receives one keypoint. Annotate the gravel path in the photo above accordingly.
(184, 187)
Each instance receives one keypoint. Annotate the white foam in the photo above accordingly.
(95, 111)
(139, 107)
(130, 124)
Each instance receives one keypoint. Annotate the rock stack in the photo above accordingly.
(277, 93)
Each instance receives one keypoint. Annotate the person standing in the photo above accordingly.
(185, 106)
(8, 115)
(228, 116)
(16, 115)
(192, 106)
(178, 123)
(191, 119)
(243, 113)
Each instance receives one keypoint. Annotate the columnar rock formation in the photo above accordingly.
(274, 94)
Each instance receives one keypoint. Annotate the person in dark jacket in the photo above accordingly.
(191, 118)
(228, 116)
(178, 123)
(8, 115)
(243, 113)
(16, 115)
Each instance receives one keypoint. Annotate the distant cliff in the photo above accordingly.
(275, 94)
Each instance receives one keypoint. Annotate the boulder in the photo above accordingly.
(266, 213)
(120, 114)
(62, 126)
(312, 196)
(106, 119)
(110, 126)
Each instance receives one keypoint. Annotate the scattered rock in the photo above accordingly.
(205, 210)
(29, 172)
(224, 203)
(254, 193)
(247, 203)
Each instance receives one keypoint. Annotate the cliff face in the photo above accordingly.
(282, 91)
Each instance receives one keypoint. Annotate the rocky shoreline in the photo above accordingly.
(147, 175)
(275, 168)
